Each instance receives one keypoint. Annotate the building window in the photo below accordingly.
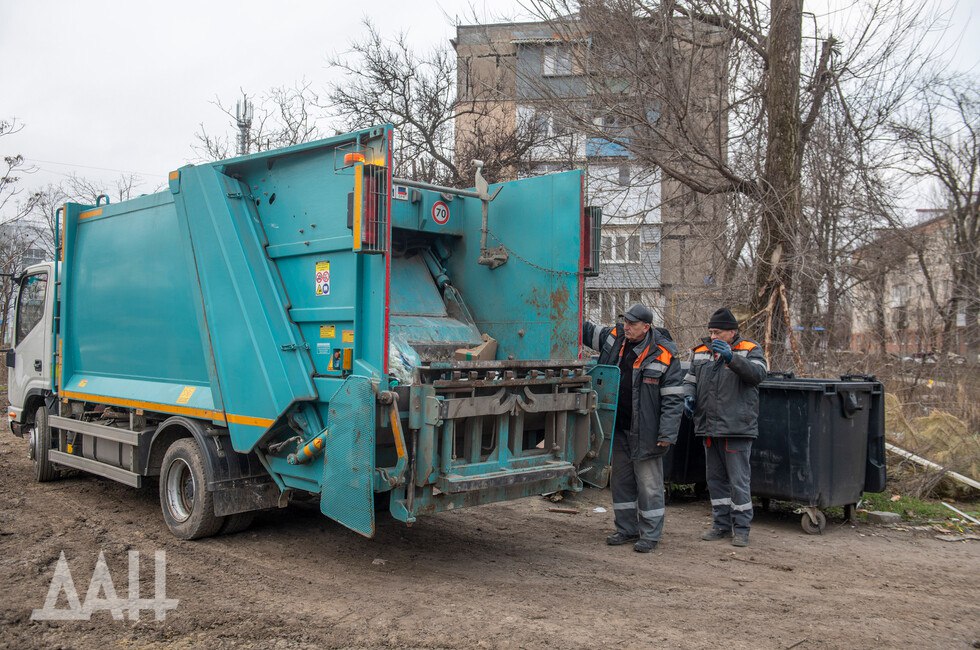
(624, 175)
(613, 303)
(558, 61)
(960, 313)
(554, 126)
(620, 248)
(900, 295)
(604, 306)
(466, 74)
(541, 123)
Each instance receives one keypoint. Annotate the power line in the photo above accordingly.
(106, 169)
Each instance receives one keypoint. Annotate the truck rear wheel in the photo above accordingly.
(39, 442)
(236, 523)
(188, 507)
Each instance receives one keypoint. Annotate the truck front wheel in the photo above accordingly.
(39, 443)
(188, 507)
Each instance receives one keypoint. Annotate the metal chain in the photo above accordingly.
(529, 262)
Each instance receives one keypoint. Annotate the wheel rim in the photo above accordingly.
(31, 441)
(180, 490)
(812, 527)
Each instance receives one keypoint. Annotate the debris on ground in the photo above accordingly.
(957, 538)
(884, 518)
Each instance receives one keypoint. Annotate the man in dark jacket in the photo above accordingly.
(723, 394)
(648, 416)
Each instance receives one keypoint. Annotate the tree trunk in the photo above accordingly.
(781, 180)
(832, 333)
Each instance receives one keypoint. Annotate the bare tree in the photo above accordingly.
(284, 116)
(13, 205)
(386, 81)
(941, 139)
(16, 236)
(743, 128)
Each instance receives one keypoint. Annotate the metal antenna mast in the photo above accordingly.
(243, 114)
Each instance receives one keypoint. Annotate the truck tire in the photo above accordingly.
(188, 507)
(236, 523)
(38, 445)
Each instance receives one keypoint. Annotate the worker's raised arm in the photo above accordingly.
(593, 335)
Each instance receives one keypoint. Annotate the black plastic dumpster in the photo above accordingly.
(684, 462)
(821, 443)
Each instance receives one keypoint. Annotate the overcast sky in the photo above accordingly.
(107, 87)
(104, 87)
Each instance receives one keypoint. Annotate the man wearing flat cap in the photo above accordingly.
(723, 397)
(648, 416)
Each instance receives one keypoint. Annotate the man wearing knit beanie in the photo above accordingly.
(723, 397)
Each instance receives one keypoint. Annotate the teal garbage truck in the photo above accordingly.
(300, 322)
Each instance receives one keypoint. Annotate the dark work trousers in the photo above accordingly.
(637, 492)
(729, 478)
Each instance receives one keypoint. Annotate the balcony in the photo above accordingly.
(602, 148)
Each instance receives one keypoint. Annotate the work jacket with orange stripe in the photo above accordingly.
(658, 390)
(727, 394)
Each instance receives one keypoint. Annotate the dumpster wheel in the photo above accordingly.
(813, 521)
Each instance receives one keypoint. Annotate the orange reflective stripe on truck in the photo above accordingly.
(207, 414)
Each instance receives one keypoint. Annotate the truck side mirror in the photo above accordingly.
(11, 358)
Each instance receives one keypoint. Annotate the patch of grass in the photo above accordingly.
(913, 509)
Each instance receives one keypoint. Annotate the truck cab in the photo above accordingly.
(29, 359)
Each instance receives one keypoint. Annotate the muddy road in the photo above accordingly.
(510, 575)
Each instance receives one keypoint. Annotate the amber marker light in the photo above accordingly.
(355, 157)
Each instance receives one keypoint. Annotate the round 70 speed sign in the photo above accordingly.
(440, 213)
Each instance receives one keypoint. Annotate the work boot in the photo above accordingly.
(742, 539)
(618, 539)
(715, 534)
(644, 546)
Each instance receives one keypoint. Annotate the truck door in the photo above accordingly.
(596, 470)
(30, 337)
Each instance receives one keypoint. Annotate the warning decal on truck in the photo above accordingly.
(323, 278)
(328, 331)
(185, 395)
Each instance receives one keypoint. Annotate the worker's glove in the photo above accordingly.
(722, 349)
(689, 405)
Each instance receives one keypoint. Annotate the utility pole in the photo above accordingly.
(243, 115)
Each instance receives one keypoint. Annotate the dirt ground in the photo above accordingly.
(510, 575)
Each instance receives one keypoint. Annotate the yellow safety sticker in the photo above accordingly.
(185, 395)
(348, 336)
(328, 331)
(323, 278)
(83, 383)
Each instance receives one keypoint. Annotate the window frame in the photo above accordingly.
(621, 242)
(552, 59)
(19, 309)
